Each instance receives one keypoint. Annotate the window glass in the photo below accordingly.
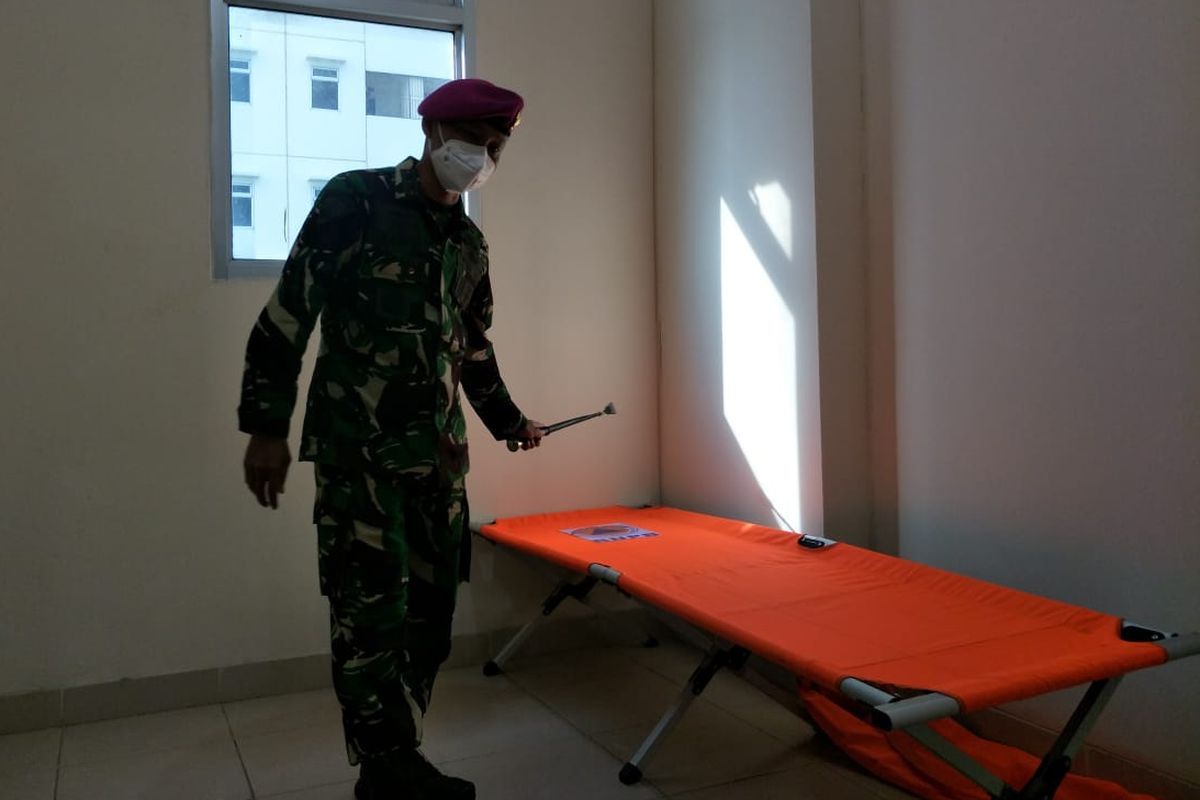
(305, 66)
(325, 88)
(391, 95)
(243, 206)
(239, 80)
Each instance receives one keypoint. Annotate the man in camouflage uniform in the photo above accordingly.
(398, 275)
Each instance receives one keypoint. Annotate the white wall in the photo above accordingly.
(760, 300)
(131, 546)
(570, 224)
(1035, 212)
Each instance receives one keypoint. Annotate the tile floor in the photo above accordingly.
(556, 726)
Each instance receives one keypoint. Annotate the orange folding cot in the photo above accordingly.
(907, 643)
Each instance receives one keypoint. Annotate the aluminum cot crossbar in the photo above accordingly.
(910, 643)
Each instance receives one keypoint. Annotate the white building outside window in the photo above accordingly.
(310, 97)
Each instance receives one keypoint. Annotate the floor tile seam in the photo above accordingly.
(519, 682)
(604, 682)
(755, 772)
(237, 748)
(854, 776)
(545, 704)
(747, 775)
(587, 736)
(25, 769)
(747, 778)
(305, 789)
(700, 699)
(707, 747)
(826, 769)
(738, 674)
(757, 727)
(570, 732)
(727, 707)
(311, 722)
(663, 673)
(58, 765)
(682, 795)
(593, 734)
(90, 762)
(516, 691)
(593, 738)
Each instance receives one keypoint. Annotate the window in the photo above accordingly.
(325, 87)
(370, 61)
(242, 205)
(391, 95)
(239, 79)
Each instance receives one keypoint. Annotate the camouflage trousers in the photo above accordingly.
(390, 562)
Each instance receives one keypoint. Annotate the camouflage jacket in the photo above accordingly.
(402, 289)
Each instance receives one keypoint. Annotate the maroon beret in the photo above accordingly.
(470, 99)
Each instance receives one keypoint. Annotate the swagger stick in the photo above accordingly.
(515, 444)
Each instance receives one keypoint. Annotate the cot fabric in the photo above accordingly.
(902, 761)
(842, 611)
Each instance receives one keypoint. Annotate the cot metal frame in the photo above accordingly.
(887, 711)
(720, 655)
(911, 715)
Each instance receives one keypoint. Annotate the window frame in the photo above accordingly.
(458, 19)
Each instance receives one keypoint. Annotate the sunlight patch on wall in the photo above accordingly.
(758, 340)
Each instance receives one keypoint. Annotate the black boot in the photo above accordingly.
(408, 776)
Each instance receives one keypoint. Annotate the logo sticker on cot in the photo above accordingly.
(609, 532)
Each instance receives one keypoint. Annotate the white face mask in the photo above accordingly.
(461, 166)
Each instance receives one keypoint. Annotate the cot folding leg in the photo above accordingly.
(1057, 763)
(1054, 766)
(562, 591)
(912, 714)
(714, 660)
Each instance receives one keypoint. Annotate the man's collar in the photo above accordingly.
(408, 184)
(407, 179)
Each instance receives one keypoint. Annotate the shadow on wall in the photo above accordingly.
(759, 341)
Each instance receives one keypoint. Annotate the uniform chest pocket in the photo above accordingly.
(396, 295)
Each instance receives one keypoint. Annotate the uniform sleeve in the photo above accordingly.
(330, 237)
(480, 373)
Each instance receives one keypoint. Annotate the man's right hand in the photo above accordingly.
(266, 464)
